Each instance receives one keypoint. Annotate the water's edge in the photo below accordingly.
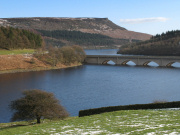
(36, 69)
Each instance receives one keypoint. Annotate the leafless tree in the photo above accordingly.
(37, 104)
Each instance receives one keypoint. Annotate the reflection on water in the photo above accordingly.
(91, 86)
(176, 64)
(153, 64)
(131, 63)
(111, 62)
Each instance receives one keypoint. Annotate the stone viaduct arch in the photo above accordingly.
(106, 61)
(162, 61)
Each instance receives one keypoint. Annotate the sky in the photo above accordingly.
(146, 16)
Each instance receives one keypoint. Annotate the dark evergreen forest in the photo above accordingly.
(13, 38)
(79, 37)
(165, 44)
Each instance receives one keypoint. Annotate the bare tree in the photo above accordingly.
(80, 53)
(37, 104)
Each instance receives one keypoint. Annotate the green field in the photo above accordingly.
(133, 122)
(11, 52)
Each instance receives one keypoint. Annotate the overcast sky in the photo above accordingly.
(146, 16)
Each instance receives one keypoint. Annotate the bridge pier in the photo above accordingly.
(162, 61)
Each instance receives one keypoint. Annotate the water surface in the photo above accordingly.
(91, 86)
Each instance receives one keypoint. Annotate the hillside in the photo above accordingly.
(99, 26)
(11, 38)
(165, 44)
(20, 62)
(132, 122)
(27, 60)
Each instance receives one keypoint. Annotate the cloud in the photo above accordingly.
(144, 20)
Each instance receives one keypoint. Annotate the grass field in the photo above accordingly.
(11, 52)
(134, 122)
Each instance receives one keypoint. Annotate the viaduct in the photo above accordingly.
(162, 61)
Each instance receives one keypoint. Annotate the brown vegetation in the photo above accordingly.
(66, 55)
(10, 62)
(37, 104)
(55, 58)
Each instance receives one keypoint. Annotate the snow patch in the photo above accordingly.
(55, 134)
(152, 133)
(174, 133)
(92, 133)
(65, 127)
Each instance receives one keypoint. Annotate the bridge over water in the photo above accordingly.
(162, 61)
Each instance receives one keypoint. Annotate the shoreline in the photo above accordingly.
(36, 69)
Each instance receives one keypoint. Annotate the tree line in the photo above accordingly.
(166, 35)
(66, 55)
(165, 44)
(14, 38)
(78, 37)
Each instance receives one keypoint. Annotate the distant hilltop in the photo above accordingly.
(102, 26)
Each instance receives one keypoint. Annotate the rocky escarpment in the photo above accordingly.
(101, 26)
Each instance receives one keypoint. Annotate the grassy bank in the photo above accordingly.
(20, 51)
(121, 122)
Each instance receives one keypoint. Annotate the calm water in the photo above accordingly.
(91, 86)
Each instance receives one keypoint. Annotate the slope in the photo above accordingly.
(102, 26)
(167, 44)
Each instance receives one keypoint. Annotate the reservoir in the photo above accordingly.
(92, 86)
